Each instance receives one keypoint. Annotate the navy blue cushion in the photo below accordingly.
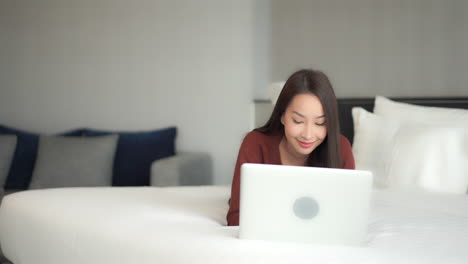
(22, 164)
(135, 153)
(73, 133)
(25, 155)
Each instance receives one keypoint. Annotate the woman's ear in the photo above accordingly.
(282, 119)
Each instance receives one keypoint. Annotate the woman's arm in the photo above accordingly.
(249, 152)
(347, 154)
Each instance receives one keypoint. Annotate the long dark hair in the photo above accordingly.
(328, 153)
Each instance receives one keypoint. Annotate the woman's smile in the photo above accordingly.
(305, 144)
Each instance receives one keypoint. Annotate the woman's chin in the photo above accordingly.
(300, 151)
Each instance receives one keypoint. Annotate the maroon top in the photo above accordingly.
(264, 149)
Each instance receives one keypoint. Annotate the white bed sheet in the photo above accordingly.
(187, 225)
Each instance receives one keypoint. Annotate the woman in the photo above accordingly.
(303, 130)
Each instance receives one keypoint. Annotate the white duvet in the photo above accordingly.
(187, 225)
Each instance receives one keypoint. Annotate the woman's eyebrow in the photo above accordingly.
(301, 115)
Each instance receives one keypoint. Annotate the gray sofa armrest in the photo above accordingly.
(3, 260)
(185, 168)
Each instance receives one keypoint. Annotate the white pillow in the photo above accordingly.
(409, 156)
(372, 143)
(428, 158)
(405, 112)
(416, 114)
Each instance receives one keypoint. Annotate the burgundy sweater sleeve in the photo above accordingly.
(249, 152)
(347, 154)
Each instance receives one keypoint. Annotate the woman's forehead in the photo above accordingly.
(306, 105)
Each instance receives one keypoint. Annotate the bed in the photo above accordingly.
(187, 225)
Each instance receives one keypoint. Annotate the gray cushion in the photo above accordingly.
(74, 162)
(7, 150)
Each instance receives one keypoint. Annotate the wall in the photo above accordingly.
(131, 65)
(370, 47)
(143, 64)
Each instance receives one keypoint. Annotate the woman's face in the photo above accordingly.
(304, 125)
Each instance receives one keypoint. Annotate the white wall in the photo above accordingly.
(131, 65)
(147, 64)
(262, 51)
(369, 47)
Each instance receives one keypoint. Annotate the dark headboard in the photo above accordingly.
(346, 104)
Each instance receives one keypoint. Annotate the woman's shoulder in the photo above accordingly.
(345, 142)
(257, 137)
(347, 154)
(259, 147)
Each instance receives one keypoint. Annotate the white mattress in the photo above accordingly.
(187, 225)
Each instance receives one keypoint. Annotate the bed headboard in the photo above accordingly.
(346, 104)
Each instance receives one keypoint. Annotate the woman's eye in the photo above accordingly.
(320, 124)
(296, 121)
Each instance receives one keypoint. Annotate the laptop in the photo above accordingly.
(304, 204)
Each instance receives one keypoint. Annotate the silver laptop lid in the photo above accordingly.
(304, 204)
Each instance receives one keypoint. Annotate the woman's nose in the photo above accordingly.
(307, 132)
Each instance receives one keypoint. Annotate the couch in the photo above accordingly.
(90, 157)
